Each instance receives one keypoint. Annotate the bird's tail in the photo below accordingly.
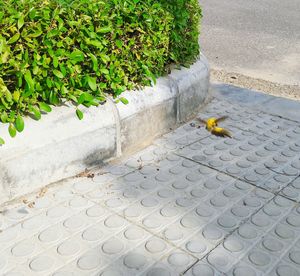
(221, 132)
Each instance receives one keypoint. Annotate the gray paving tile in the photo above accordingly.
(190, 204)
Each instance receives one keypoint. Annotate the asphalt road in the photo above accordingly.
(256, 38)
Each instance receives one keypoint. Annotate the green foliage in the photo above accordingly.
(52, 51)
(185, 30)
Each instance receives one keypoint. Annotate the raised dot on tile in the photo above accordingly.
(243, 164)
(198, 193)
(211, 185)
(155, 245)
(176, 170)
(251, 177)
(226, 221)
(215, 163)
(233, 170)
(240, 211)
(132, 163)
(34, 223)
(92, 234)
(180, 184)
(296, 164)
(230, 192)
(23, 248)
(225, 157)
(282, 202)
(89, 261)
(178, 259)
(114, 202)
(132, 211)
(233, 245)
(271, 210)
(195, 246)
(290, 171)
(219, 201)
(51, 234)
(290, 192)
(252, 202)
(149, 202)
(188, 164)
(223, 178)
(78, 202)
(202, 269)
(259, 258)
(173, 234)
(194, 177)
(74, 222)
(243, 271)
(295, 256)
(190, 221)
(272, 244)
(158, 271)
(41, 263)
(151, 222)
(284, 232)
(281, 178)
(260, 220)
(148, 170)
(184, 202)
(204, 211)
(217, 259)
(67, 248)
(134, 261)
(112, 246)
(163, 177)
(95, 211)
(212, 233)
(247, 232)
(284, 270)
(293, 220)
(114, 221)
(199, 158)
(262, 171)
(168, 211)
(242, 185)
(134, 233)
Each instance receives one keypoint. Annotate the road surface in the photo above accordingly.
(259, 39)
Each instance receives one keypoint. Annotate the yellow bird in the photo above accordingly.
(211, 125)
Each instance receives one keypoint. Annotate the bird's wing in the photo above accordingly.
(221, 119)
(221, 132)
(202, 121)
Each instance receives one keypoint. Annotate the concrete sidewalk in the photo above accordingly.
(189, 204)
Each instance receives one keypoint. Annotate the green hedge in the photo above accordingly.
(53, 51)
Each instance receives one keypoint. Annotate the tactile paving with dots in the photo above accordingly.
(191, 203)
(269, 158)
(262, 244)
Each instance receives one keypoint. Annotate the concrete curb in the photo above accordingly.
(62, 146)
